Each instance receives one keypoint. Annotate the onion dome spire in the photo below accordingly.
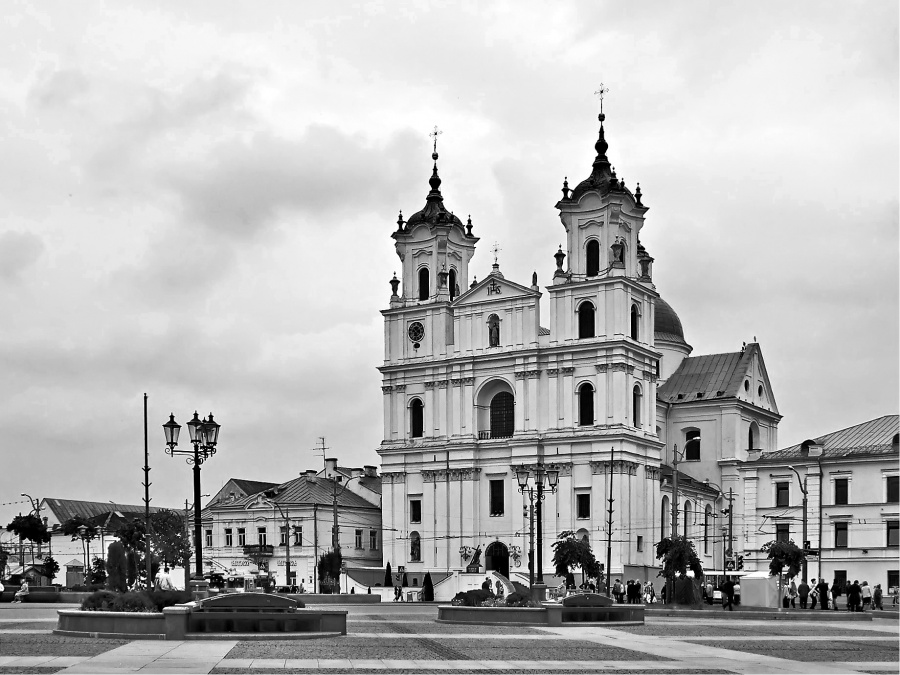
(434, 212)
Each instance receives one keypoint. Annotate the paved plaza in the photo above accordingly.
(404, 638)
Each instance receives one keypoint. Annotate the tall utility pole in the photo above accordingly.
(675, 491)
(730, 523)
(802, 482)
(609, 521)
(147, 500)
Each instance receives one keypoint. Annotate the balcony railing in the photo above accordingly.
(257, 550)
(487, 435)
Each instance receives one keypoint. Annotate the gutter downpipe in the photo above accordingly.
(821, 477)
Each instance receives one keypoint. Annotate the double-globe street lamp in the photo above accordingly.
(538, 475)
(204, 437)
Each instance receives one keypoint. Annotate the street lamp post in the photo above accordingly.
(539, 476)
(204, 437)
(802, 482)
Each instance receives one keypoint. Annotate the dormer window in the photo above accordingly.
(424, 290)
(592, 258)
(586, 321)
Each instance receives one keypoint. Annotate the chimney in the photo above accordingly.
(357, 473)
(371, 471)
(310, 475)
(330, 467)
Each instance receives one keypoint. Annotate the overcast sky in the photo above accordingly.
(196, 201)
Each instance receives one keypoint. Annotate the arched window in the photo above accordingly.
(707, 524)
(752, 436)
(454, 289)
(493, 330)
(692, 446)
(636, 401)
(417, 418)
(664, 516)
(688, 516)
(415, 547)
(585, 405)
(586, 320)
(635, 322)
(592, 255)
(424, 290)
(502, 415)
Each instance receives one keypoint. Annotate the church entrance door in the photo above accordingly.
(496, 558)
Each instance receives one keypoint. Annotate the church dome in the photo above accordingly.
(668, 325)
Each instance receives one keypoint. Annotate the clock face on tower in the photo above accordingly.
(416, 331)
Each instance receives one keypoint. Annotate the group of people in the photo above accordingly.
(633, 592)
(860, 597)
(730, 590)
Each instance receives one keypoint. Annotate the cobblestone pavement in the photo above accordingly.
(393, 639)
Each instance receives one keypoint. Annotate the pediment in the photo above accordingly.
(494, 288)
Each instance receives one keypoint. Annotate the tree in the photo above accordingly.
(29, 527)
(678, 556)
(169, 539)
(405, 581)
(133, 537)
(51, 568)
(98, 571)
(329, 568)
(570, 552)
(427, 588)
(781, 555)
(4, 556)
(81, 528)
(116, 566)
(388, 577)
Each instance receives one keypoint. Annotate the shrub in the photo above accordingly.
(519, 600)
(427, 588)
(161, 599)
(116, 567)
(472, 598)
(134, 601)
(100, 601)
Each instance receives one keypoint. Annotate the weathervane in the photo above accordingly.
(434, 134)
(599, 93)
(496, 249)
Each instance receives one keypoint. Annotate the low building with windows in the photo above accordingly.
(257, 527)
(852, 489)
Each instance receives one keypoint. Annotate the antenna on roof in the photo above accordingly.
(321, 449)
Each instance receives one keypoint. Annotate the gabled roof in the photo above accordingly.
(871, 438)
(684, 480)
(713, 376)
(64, 509)
(494, 277)
(302, 491)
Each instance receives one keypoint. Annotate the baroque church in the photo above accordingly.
(601, 390)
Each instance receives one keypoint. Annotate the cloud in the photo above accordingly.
(18, 252)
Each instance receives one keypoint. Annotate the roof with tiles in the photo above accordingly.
(684, 480)
(307, 492)
(64, 509)
(251, 487)
(709, 376)
(873, 438)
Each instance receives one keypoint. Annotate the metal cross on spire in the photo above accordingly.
(496, 249)
(434, 134)
(599, 93)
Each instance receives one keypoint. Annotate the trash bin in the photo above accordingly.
(411, 596)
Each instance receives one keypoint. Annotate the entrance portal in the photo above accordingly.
(496, 558)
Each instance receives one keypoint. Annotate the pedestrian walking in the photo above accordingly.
(728, 595)
(866, 595)
(822, 592)
(803, 593)
(792, 592)
(837, 590)
(737, 591)
(877, 597)
(854, 597)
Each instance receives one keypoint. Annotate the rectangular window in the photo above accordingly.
(893, 489)
(373, 540)
(298, 535)
(893, 579)
(583, 505)
(893, 533)
(282, 535)
(261, 536)
(783, 494)
(229, 540)
(242, 536)
(782, 532)
(840, 578)
(357, 539)
(841, 491)
(640, 543)
(415, 510)
(496, 500)
(840, 535)
(208, 538)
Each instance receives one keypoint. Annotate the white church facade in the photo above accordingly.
(589, 375)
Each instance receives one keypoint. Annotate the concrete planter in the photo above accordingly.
(548, 615)
(335, 598)
(126, 625)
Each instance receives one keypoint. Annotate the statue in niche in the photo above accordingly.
(414, 549)
(493, 331)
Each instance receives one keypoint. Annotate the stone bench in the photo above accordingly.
(261, 613)
(35, 594)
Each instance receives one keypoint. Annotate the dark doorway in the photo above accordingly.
(497, 558)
